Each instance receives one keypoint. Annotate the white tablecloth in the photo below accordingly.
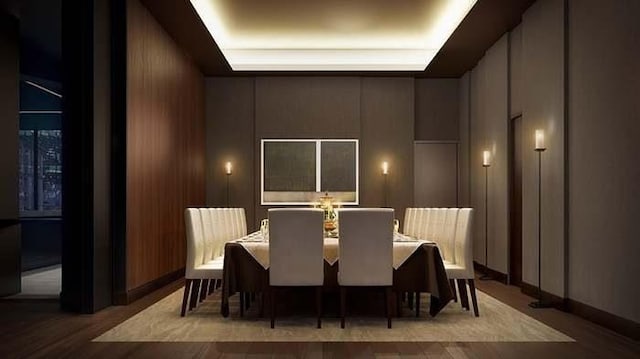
(403, 248)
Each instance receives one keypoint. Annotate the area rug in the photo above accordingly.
(498, 322)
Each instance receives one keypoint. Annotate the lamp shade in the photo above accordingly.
(540, 140)
(385, 168)
(486, 158)
(228, 168)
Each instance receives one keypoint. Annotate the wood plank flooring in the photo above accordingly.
(39, 329)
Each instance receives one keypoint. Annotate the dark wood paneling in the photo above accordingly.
(437, 109)
(230, 137)
(387, 126)
(304, 107)
(435, 175)
(9, 230)
(165, 148)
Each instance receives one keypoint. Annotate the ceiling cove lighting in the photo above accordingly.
(331, 35)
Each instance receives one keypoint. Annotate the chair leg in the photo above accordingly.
(319, 306)
(195, 290)
(417, 304)
(462, 288)
(410, 300)
(218, 283)
(185, 297)
(474, 300)
(212, 286)
(452, 283)
(272, 292)
(204, 290)
(241, 294)
(343, 303)
(387, 296)
(247, 300)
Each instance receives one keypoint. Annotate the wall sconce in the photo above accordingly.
(486, 163)
(227, 170)
(385, 168)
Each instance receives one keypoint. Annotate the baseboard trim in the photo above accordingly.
(532, 291)
(134, 294)
(618, 324)
(498, 276)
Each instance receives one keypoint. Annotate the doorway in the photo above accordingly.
(515, 201)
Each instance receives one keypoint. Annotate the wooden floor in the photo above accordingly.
(39, 329)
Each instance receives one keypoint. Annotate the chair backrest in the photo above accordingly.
(422, 217)
(409, 222)
(463, 241)
(296, 247)
(215, 215)
(447, 237)
(208, 235)
(242, 217)
(435, 224)
(366, 247)
(227, 223)
(195, 243)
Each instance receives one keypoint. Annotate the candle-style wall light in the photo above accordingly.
(228, 167)
(385, 173)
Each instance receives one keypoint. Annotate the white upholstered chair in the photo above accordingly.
(409, 222)
(366, 252)
(461, 269)
(197, 271)
(296, 252)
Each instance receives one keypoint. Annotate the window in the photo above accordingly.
(40, 172)
(298, 172)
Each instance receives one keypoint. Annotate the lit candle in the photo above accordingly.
(227, 168)
(540, 140)
(385, 168)
(486, 158)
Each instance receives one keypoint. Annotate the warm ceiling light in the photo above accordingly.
(331, 35)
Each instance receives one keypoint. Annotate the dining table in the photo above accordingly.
(418, 268)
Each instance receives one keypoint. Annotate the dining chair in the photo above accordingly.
(461, 269)
(409, 222)
(366, 253)
(197, 271)
(296, 252)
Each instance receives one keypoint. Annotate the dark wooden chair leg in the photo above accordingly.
(474, 300)
(462, 288)
(247, 300)
(204, 290)
(319, 306)
(272, 291)
(212, 286)
(387, 296)
(185, 297)
(410, 300)
(241, 294)
(218, 283)
(452, 283)
(343, 303)
(195, 290)
(417, 304)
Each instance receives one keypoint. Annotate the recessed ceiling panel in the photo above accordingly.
(331, 35)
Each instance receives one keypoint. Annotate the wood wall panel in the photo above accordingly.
(165, 148)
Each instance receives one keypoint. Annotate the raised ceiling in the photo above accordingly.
(331, 35)
(364, 25)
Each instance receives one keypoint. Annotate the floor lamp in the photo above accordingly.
(540, 147)
(227, 169)
(385, 173)
(486, 163)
